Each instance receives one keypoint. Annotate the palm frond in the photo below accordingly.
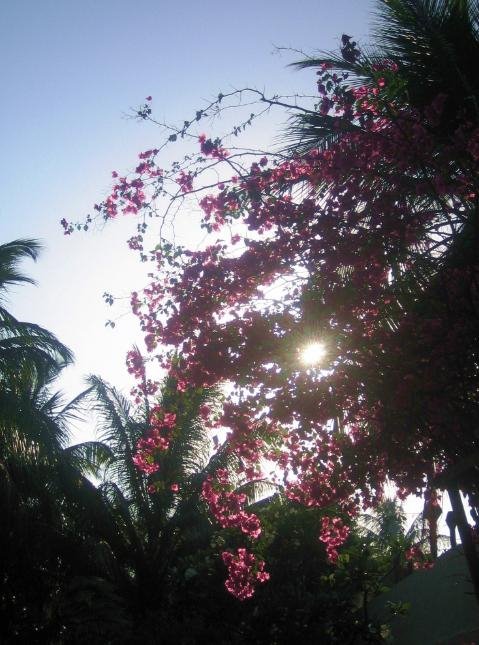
(189, 450)
(308, 132)
(132, 525)
(29, 354)
(23, 427)
(120, 428)
(258, 491)
(360, 71)
(11, 255)
(15, 333)
(72, 411)
(224, 458)
(89, 457)
(115, 415)
(435, 44)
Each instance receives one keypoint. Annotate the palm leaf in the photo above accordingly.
(120, 428)
(89, 457)
(258, 491)
(11, 255)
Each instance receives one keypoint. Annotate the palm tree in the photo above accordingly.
(47, 506)
(148, 518)
(34, 420)
(161, 521)
(47, 503)
(388, 540)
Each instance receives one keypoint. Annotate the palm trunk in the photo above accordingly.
(433, 538)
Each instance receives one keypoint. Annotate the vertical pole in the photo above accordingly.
(431, 513)
(468, 545)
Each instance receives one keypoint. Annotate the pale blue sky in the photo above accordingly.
(70, 70)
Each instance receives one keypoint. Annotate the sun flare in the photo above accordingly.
(313, 353)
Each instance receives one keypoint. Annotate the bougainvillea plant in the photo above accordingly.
(363, 247)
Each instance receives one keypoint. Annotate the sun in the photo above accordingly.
(312, 353)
